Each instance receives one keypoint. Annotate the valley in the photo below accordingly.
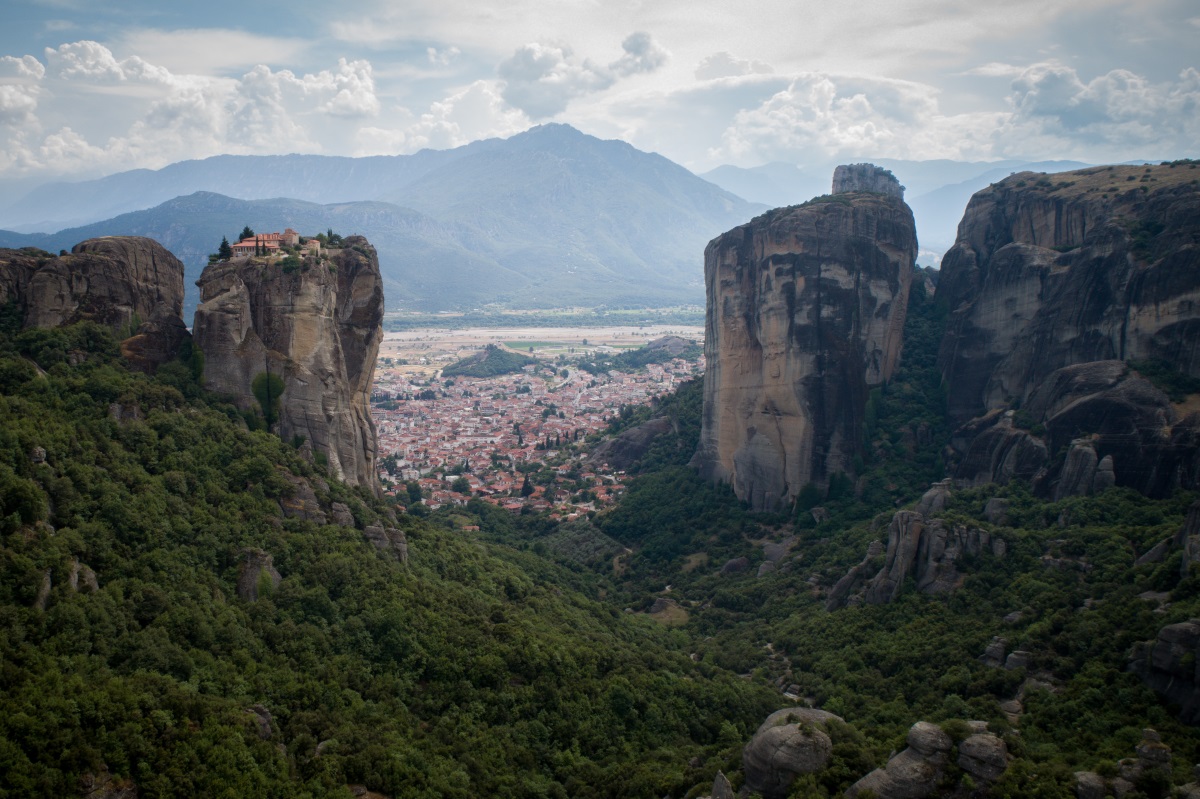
(458, 437)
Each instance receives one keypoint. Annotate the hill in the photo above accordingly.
(489, 362)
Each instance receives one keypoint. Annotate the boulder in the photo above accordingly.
(1089, 785)
(913, 773)
(789, 743)
(984, 756)
(994, 654)
(341, 514)
(736, 565)
(996, 511)
(303, 503)
(625, 449)
(721, 788)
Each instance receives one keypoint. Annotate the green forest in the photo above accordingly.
(522, 658)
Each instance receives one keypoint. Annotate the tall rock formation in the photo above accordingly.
(806, 308)
(1050, 271)
(1053, 284)
(313, 326)
(130, 284)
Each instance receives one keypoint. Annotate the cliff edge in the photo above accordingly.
(1061, 289)
(297, 341)
(806, 307)
(130, 284)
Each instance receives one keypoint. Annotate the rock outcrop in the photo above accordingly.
(914, 772)
(806, 306)
(1170, 666)
(866, 177)
(927, 550)
(315, 328)
(1115, 427)
(919, 546)
(129, 284)
(1093, 265)
(1053, 284)
(625, 449)
(256, 573)
(789, 743)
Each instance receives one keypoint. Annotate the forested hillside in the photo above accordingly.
(179, 617)
(1077, 585)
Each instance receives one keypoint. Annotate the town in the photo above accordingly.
(515, 439)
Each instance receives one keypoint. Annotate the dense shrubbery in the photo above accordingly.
(471, 671)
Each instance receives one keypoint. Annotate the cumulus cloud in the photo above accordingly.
(725, 65)
(172, 116)
(541, 79)
(826, 115)
(476, 112)
(642, 54)
(1110, 113)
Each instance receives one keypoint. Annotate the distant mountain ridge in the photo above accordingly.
(548, 218)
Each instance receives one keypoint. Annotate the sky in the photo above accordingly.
(88, 89)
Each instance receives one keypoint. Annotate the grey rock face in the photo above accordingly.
(1049, 276)
(1170, 666)
(130, 284)
(927, 549)
(805, 312)
(1188, 539)
(866, 177)
(913, 773)
(854, 579)
(994, 654)
(736, 565)
(624, 450)
(983, 756)
(996, 511)
(302, 504)
(388, 539)
(721, 788)
(789, 743)
(257, 566)
(317, 328)
(341, 514)
(1089, 785)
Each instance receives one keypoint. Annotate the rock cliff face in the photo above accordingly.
(130, 284)
(317, 329)
(806, 307)
(1053, 285)
(1098, 264)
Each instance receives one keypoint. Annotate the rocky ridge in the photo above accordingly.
(1054, 286)
(806, 307)
(129, 284)
(315, 328)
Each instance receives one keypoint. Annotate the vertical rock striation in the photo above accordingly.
(806, 308)
(1051, 271)
(1056, 284)
(317, 328)
(129, 284)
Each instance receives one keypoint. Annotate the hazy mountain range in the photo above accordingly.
(550, 217)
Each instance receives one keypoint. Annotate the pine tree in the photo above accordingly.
(224, 252)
